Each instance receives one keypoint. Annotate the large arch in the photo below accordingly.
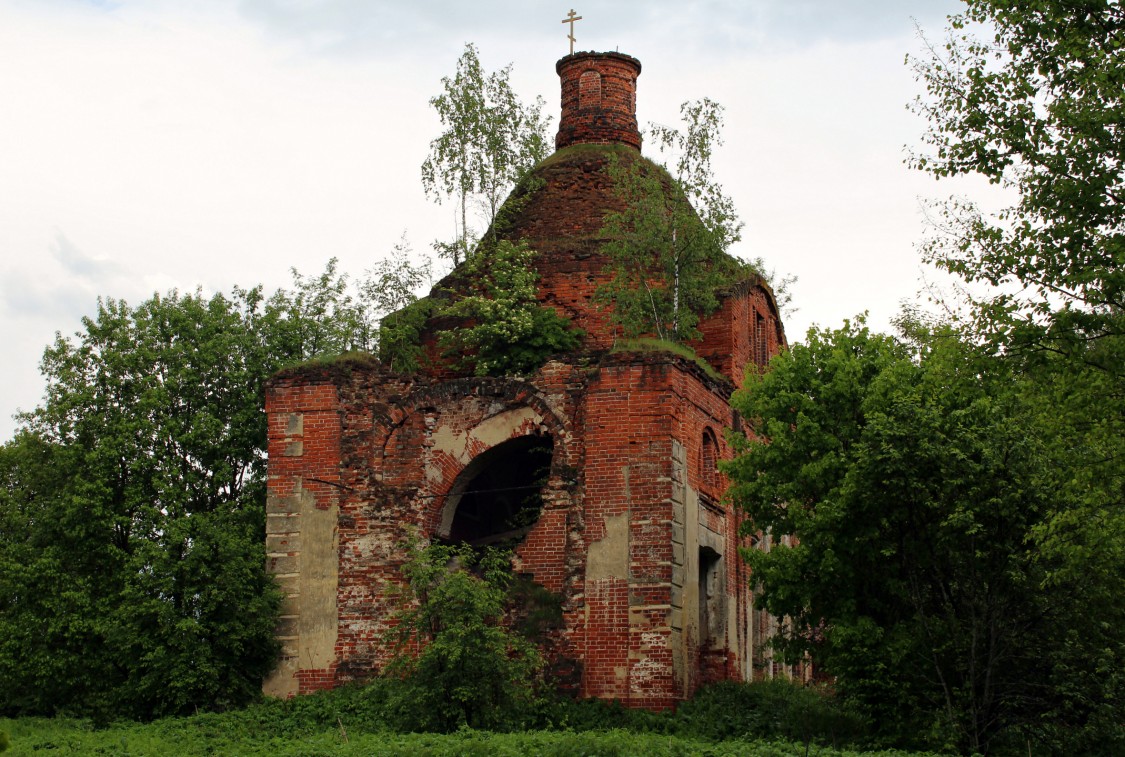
(458, 456)
(497, 498)
(398, 415)
(438, 441)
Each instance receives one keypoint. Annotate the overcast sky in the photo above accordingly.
(147, 145)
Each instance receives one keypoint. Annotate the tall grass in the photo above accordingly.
(770, 718)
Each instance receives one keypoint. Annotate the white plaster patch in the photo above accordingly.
(644, 674)
(499, 428)
(378, 543)
(453, 443)
(608, 557)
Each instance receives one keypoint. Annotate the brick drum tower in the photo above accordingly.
(628, 529)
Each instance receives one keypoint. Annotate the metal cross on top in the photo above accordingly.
(570, 19)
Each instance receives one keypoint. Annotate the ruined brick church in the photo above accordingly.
(629, 528)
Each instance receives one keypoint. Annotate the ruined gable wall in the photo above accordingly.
(361, 459)
(384, 451)
(745, 331)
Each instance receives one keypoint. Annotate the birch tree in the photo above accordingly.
(667, 247)
(490, 139)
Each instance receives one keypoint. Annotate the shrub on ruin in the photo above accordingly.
(456, 662)
(504, 330)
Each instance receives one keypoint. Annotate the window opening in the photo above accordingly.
(590, 90)
(499, 494)
(709, 459)
(710, 598)
(761, 348)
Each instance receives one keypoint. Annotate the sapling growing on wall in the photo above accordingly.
(458, 664)
(507, 330)
(668, 246)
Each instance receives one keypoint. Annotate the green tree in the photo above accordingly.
(50, 652)
(667, 247)
(690, 151)
(490, 140)
(1032, 97)
(132, 501)
(331, 314)
(133, 556)
(503, 328)
(390, 285)
(388, 294)
(917, 483)
(320, 315)
(459, 665)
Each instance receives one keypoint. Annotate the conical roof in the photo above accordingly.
(560, 210)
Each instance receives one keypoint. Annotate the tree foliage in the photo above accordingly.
(690, 151)
(388, 289)
(490, 140)
(1032, 97)
(667, 247)
(502, 327)
(330, 314)
(458, 663)
(133, 549)
(920, 486)
(321, 315)
(132, 501)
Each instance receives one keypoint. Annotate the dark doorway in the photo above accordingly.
(710, 598)
(498, 496)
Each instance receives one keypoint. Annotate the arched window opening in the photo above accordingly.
(498, 497)
(761, 341)
(590, 90)
(709, 460)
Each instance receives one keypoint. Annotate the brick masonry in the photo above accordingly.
(599, 100)
(633, 536)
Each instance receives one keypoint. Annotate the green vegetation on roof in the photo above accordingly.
(651, 344)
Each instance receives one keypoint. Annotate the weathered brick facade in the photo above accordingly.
(633, 534)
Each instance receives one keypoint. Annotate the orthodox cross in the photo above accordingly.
(570, 19)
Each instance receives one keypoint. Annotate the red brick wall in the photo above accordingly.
(627, 430)
(562, 219)
(371, 433)
(745, 331)
(310, 449)
(705, 411)
(636, 406)
(304, 453)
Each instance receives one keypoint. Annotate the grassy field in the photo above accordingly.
(225, 735)
(755, 720)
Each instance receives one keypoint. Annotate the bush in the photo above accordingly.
(768, 709)
(455, 663)
(504, 330)
(563, 712)
(722, 712)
